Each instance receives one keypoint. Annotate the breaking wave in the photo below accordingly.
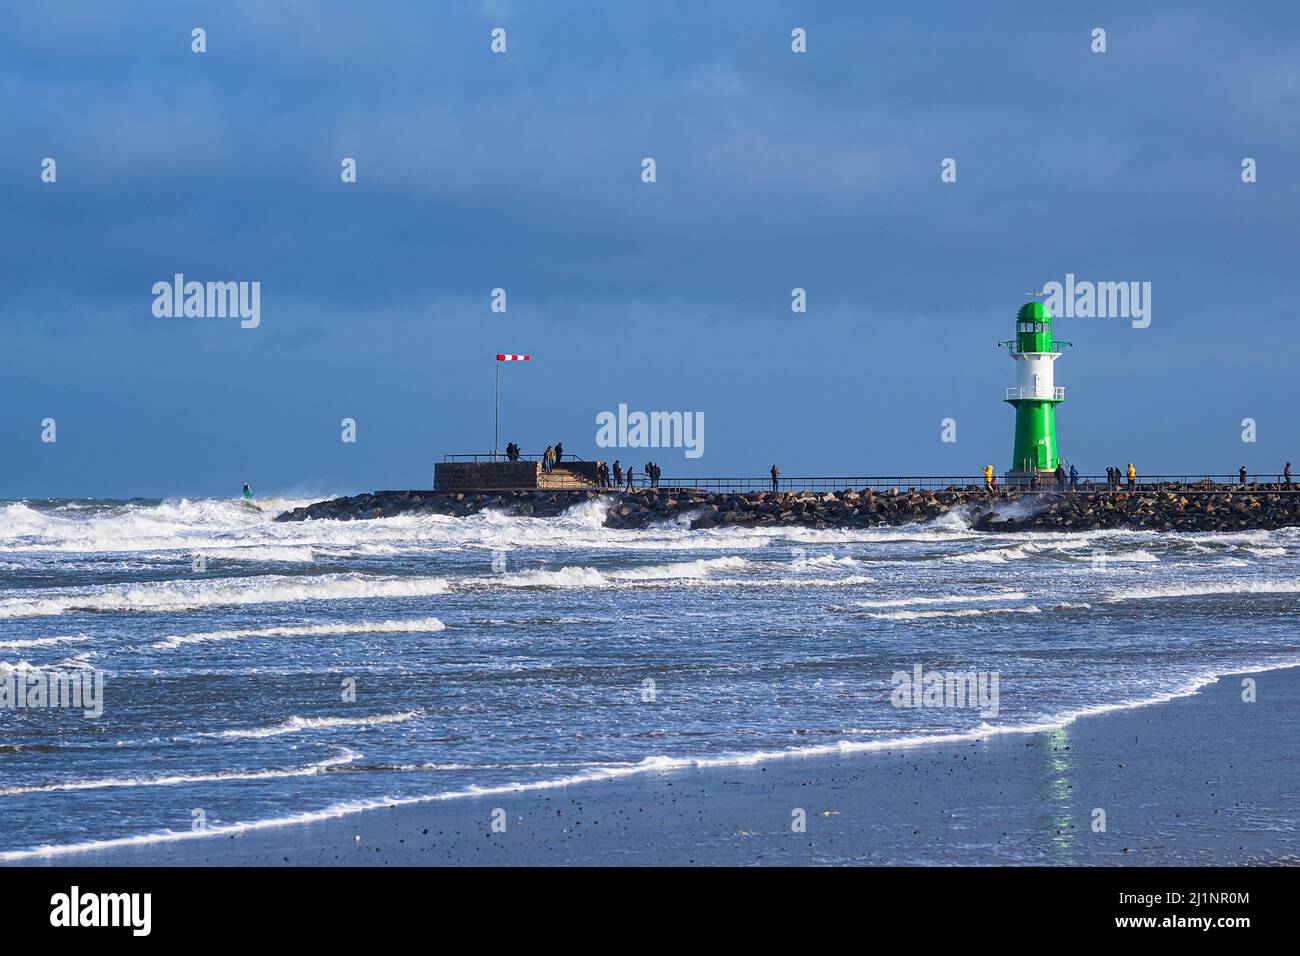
(175, 596)
(1207, 589)
(296, 725)
(422, 625)
(181, 779)
(945, 599)
(955, 612)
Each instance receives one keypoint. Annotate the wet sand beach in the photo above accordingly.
(1205, 779)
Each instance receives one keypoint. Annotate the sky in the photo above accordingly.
(522, 170)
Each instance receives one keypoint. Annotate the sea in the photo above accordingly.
(257, 674)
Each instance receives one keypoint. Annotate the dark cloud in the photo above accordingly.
(522, 171)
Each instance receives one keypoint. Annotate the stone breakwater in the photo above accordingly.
(1191, 508)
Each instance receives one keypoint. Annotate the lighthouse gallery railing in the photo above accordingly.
(1037, 391)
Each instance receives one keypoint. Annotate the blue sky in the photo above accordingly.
(522, 171)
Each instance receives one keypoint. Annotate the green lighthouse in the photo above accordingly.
(1036, 395)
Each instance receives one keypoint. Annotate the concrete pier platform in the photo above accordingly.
(513, 475)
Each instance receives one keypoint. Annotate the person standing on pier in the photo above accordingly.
(559, 452)
(1074, 478)
(988, 478)
(548, 459)
(618, 475)
(1132, 475)
(1286, 473)
(1242, 473)
(776, 478)
(629, 477)
(1060, 475)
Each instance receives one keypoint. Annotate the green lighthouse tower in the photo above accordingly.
(1036, 395)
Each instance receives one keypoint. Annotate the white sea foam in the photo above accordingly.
(1053, 546)
(1129, 557)
(43, 641)
(25, 667)
(589, 577)
(415, 626)
(296, 725)
(18, 667)
(944, 599)
(682, 569)
(700, 573)
(944, 529)
(824, 561)
(955, 612)
(590, 513)
(232, 532)
(181, 779)
(996, 555)
(225, 530)
(1206, 589)
(192, 595)
(850, 580)
(169, 525)
(261, 552)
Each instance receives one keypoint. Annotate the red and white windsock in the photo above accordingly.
(514, 358)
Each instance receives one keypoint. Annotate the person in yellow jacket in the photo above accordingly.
(988, 478)
(1132, 475)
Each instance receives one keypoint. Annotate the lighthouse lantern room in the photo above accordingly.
(1035, 394)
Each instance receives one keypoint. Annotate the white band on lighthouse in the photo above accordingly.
(1034, 371)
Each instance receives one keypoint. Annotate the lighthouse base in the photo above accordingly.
(1022, 478)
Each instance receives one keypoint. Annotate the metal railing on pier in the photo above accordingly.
(819, 484)
(488, 456)
(1186, 484)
